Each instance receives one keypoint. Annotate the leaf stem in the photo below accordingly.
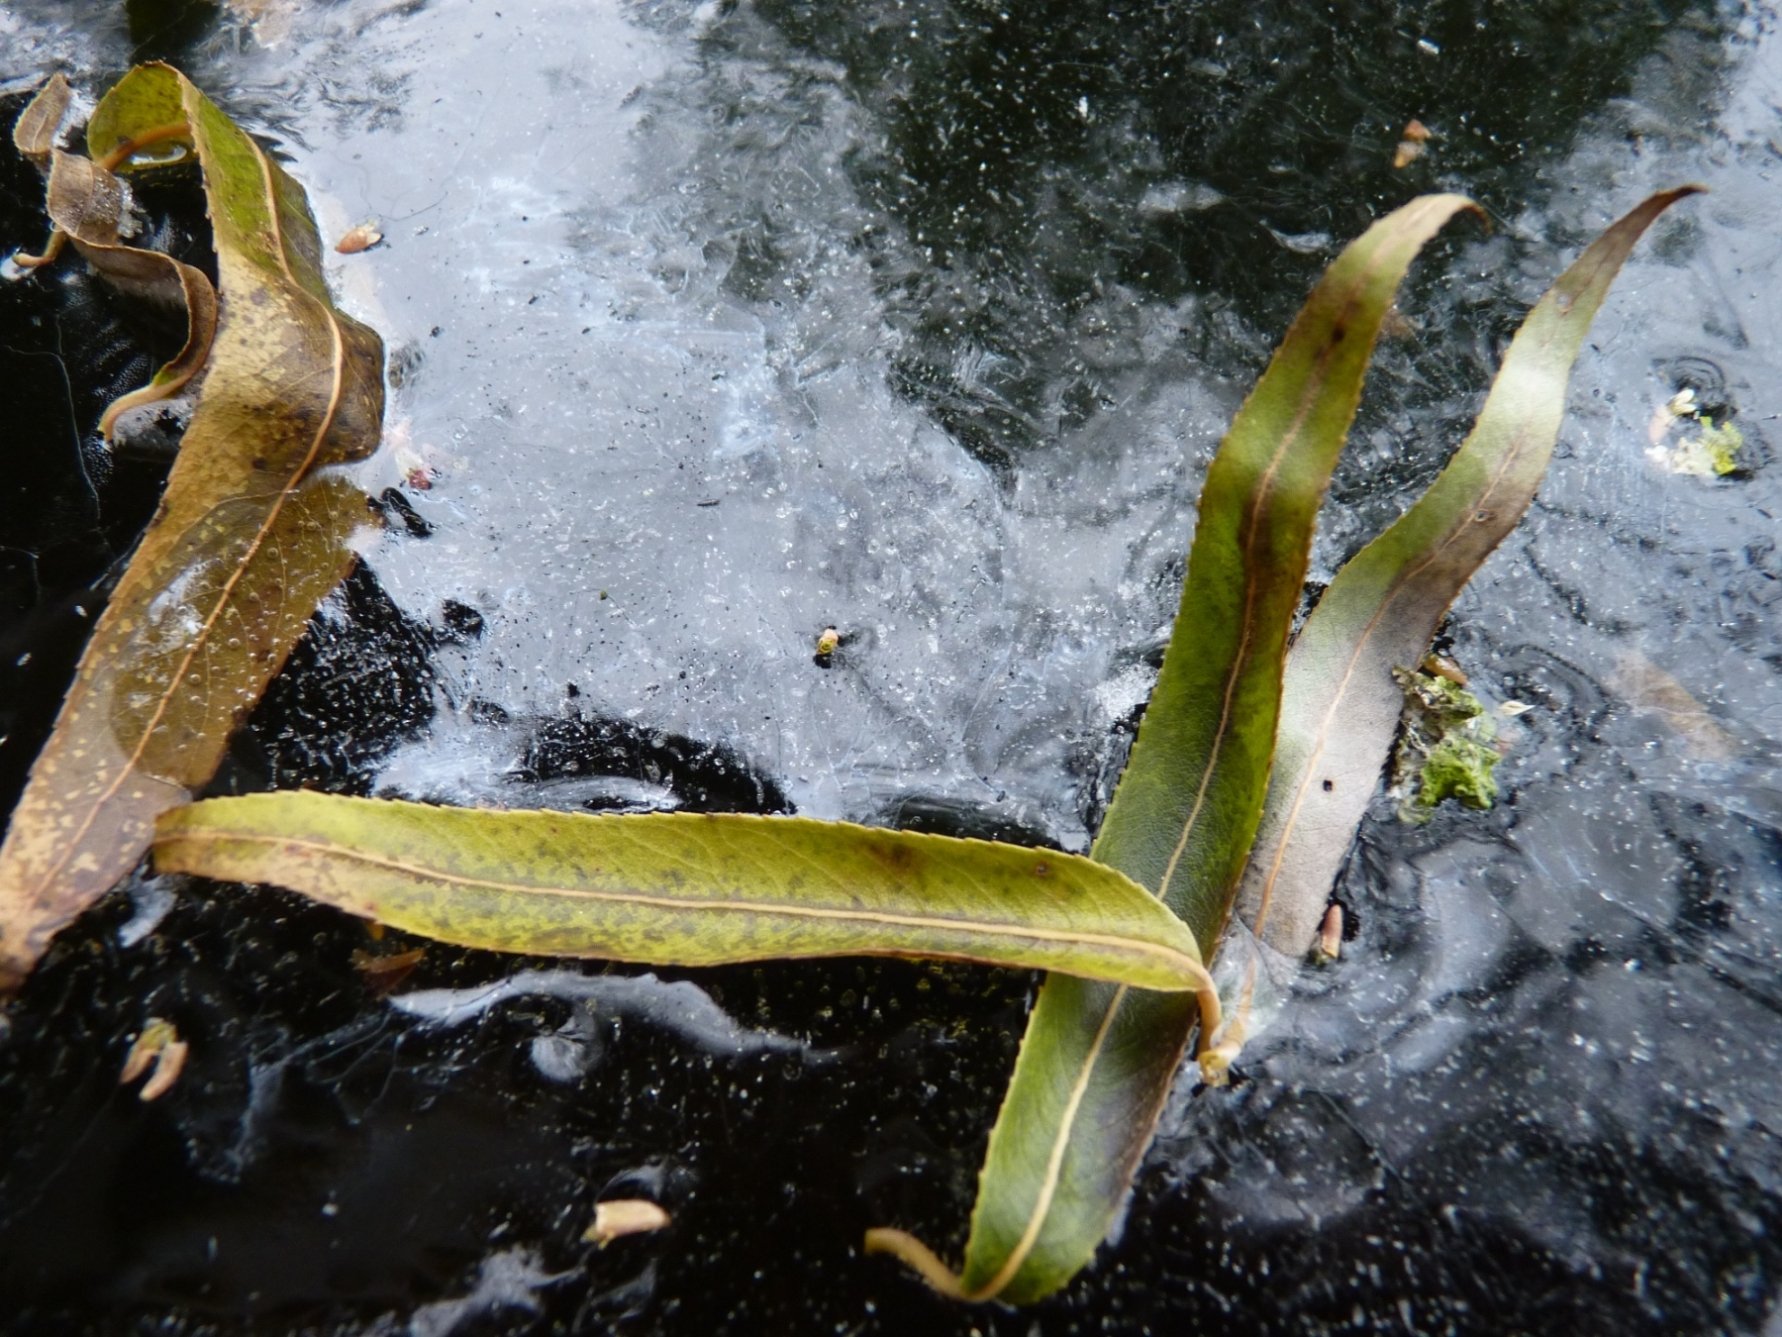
(920, 1259)
(1214, 1060)
(51, 249)
(158, 134)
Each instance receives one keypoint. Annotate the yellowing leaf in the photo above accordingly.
(250, 536)
(1099, 1060)
(687, 889)
(1341, 703)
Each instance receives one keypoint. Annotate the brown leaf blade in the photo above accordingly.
(1340, 705)
(34, 133)
(251, 535)
(688, 889)
(85, 203)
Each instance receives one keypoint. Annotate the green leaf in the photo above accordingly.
(251, 534)
(1341, 704)
(687, 889)
(1098, 1061)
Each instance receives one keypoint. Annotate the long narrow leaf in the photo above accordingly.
(1340, 705)
(687, 889)
(251, 534)
(1098, 1061)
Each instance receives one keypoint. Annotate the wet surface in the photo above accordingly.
(713, 327)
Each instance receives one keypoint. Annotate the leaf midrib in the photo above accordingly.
(1252, 593)
(1054, 1172)
(1179, 963)
(1322, 734)
(1252, 589)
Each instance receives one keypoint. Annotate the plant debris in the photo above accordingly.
(1650, 690)
(361, 238)
(1330, 937)
(1686, 439)
(255, 526)
(625, 1216)
(161, 1054)
(1412, 141)
(1446, 749)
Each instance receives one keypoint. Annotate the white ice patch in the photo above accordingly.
(150, 898)
(505, 1280)
(681, 1007)
(1126, 691)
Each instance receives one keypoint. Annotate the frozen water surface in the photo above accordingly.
(715, 326)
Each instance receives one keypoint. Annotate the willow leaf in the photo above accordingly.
(250, 536)
(1341, 706)
(34, 133)
(85, 202)
(687, 889)
(1098, 1061)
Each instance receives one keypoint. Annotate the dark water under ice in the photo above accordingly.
(721, 324)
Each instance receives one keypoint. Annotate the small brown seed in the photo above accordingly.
(361, 238)
(1440, 666)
